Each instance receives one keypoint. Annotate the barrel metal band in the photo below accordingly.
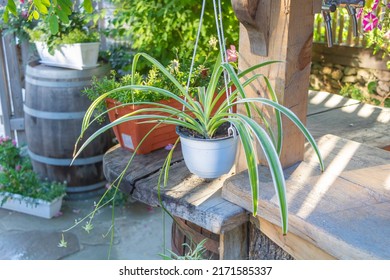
(92, 187)
(65, 161)
(53, 115)
(57, 84)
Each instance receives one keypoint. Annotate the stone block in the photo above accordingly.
(349, 71)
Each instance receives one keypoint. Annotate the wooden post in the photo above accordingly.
(4, 91)
(17, 118)
(285, 28)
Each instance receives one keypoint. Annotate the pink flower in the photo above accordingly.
(21, 1)
(359, 13)
(232, 54)
(14, 143)
(24, 14)
(370, 21)
(375, 4)
(18, 167)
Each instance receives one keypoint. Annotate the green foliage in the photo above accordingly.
(50, 11)
(154, 78)
(76, 30)
(378, 38)
(9, 153)
(166, 29)
(17, 24)
(371, 86)
(120, 57)
(17, 176)
(192, 254)
(353, 92)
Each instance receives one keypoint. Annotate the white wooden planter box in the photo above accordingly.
(35, 207)
(75, 56)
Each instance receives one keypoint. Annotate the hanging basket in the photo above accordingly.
(208, 158)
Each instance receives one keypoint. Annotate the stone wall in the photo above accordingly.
(333, 77)
(335, 68)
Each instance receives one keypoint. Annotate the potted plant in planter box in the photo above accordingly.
(73, 45)
(20, 188)
(195, 122)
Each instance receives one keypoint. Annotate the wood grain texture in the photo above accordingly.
(261, 247)
(349, 119)
(15, 82)
(233, 244)
(343, 211)
(290, 40)
(4, 96)
(295, 246)
(185, 196)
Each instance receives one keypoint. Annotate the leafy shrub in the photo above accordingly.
(17, 176)
(77, 30)
(167, 29)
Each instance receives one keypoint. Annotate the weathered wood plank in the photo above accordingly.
(15, 85)
(186, 196)
(297, 247)
(117, 158)
(348, 118)
(261, 247)
(233, 244)
(4, 96)
(343, 211)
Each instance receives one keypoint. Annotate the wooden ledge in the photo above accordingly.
(186, 196)
(343, 213)
(347, 118)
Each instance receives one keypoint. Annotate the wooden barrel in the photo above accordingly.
(54, 108)
(186, 235)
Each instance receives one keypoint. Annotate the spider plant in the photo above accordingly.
(197, 116)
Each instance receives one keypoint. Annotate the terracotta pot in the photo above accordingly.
(131, 133)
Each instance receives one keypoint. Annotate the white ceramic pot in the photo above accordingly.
(35, 207)
(208, 158)
(75, 56)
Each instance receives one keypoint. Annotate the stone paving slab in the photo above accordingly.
(138, 231)
(36, 245)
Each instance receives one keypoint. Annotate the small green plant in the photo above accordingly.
(17, 176)
(192, 253)
(154, 78)
(352, 91)
(76, 30)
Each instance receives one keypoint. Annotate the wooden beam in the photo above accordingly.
(298, 248)
(233, 244)
(290, 32)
